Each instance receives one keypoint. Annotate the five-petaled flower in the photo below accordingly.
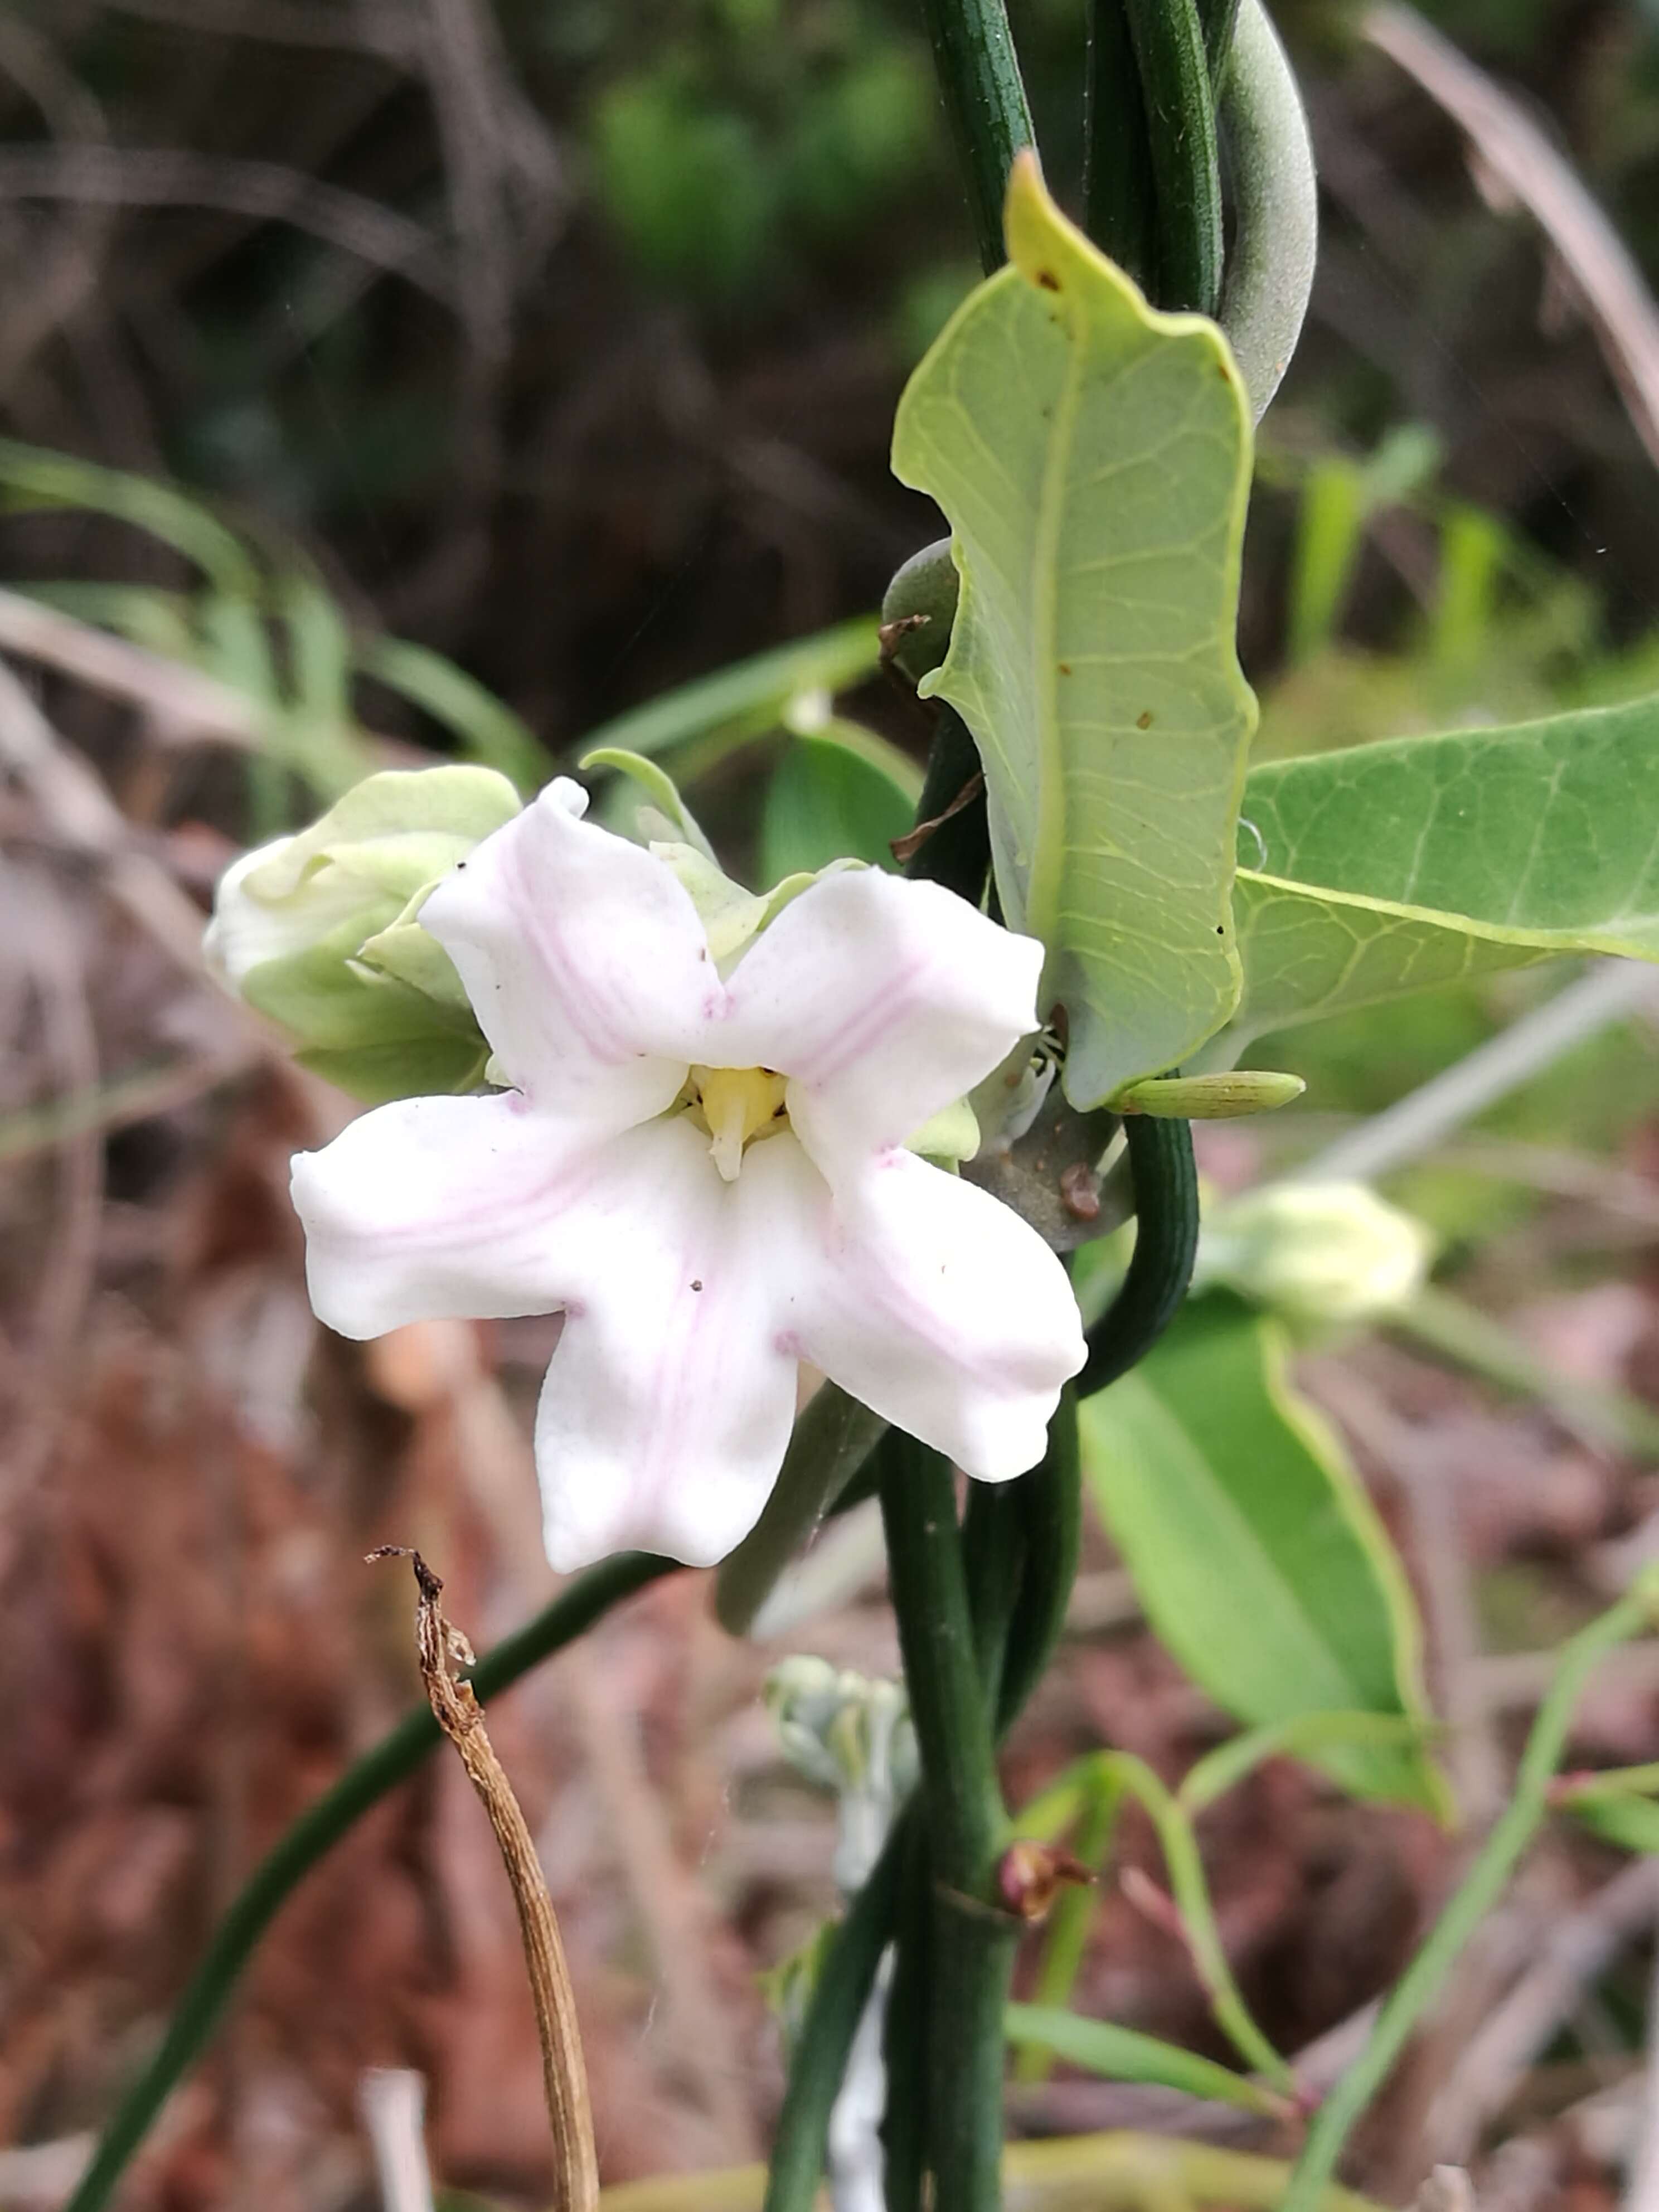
(707, 1175)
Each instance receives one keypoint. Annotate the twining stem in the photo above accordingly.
(1160, 1268)
(1119, 191)
(1175, 83)
(456, 1709)
(1050, 1503)
(315, 1834)
(973, 1940)
(984, 100)
(1471, 1900)
(845, 1979)
(830, 1442)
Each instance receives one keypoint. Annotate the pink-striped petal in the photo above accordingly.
(583, 959)
(882, 1000)
(942, 1309)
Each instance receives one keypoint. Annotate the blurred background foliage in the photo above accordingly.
(432, 373)
(537, 360)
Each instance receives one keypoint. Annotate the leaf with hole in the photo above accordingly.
(1093, 457)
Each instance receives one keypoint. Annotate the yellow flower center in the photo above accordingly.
(738, 1107)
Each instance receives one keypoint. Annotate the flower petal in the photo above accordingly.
(438, 1208)
(883, 1001)
(943, 1310)
(583, 959)
(669, 1403)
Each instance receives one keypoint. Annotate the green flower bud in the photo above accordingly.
(319, 931)
(1317, 1251)
(1209, 1098)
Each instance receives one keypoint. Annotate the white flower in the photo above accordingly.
(708, 1177)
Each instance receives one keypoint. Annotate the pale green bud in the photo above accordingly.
(1317, 1251)
(320, 932)
(1209, 1098)
(852, 1734)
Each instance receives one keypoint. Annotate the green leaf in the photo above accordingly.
(1393, 868)
(830, 800)
(1261, 1560)
(1093, 460)
(1123, 2054)
(35, 477)
(1632, 1823)
(659, 787)
(750, 698)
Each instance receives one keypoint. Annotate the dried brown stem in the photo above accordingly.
(458, 1714)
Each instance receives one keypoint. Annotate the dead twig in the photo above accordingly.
(179, 704)
(146, 176)
(460, 1717)
(1517, 156)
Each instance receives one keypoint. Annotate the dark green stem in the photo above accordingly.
(973, 1939)
(1175, 82)
(1217, 20)
(1166, 1239)
(1119, 193)
(845, 1981)
(993, 1557)
(904, 2040)
(959, 852)
(315, 1834)
(1051, 1502)
(978, 78)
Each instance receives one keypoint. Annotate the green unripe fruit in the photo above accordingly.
(919, 609)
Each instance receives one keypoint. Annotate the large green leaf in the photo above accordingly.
(1257, 1553)
(1392, 867)
(839, 792)
(1092, 458)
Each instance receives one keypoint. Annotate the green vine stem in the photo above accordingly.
(1175, 83)
(973, 1939)
(1217, 19)
(830, 1442)
(985, 99)
(315, 1833)
(1270, 267)
(819, 2060)
(1119, 193)
(1050, 1499)
(1471, 1900)
(1165, 1178)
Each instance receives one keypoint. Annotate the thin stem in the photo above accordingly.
(1050, 1498)
(1217, 19)
(965, 1817)
(1119, 192)
(845, 1980)
(959, 852)
(1166, 1179)
(831, 1442)
(1068, 1924)
(1471, 1900)
(985, 99)
(315, 1834)
(905, 2123)
(973, 1941)
(1174, 82)
(994, 1559)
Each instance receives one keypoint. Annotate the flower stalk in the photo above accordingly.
(973, 1939)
